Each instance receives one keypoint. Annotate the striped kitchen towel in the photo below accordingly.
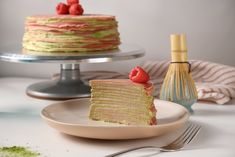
(214, 82)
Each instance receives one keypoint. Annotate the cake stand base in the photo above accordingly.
(68, 86)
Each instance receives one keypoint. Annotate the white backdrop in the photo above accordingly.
(209, 25)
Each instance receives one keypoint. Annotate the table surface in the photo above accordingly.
(21, 125)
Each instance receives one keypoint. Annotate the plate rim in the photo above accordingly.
(184, 116)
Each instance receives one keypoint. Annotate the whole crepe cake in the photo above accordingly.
(71, 33)
(123, 101)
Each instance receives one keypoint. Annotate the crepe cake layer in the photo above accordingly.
(122, 101)
(68, 33)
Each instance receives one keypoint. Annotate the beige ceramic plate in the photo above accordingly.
(71, 117)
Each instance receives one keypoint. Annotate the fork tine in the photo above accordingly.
(180, 138)
(188, 135)
(185, 136)
(193, 135)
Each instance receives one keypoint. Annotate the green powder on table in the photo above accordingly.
(17, 151)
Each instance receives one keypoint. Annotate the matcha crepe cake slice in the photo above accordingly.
(122, 101)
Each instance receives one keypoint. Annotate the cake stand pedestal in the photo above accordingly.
(69, 84)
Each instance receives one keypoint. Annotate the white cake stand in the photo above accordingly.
(69, 85)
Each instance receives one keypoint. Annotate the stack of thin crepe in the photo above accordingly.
(122, 101)
(68, 33)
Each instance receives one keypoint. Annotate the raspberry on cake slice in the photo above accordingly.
(122, 101)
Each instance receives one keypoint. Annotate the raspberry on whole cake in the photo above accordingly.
(123, 101)
(71, 31)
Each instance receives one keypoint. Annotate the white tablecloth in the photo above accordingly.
(21, 125)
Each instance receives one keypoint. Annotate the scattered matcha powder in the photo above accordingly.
(17, 151)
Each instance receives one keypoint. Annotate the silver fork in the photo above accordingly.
(185, 138)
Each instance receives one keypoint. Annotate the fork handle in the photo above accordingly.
(129, 150)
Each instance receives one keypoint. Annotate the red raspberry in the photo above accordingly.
(76, 9)
(71, 2)
(138, 75)
(62, 8)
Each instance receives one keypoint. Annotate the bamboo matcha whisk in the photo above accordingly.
(178, 85)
